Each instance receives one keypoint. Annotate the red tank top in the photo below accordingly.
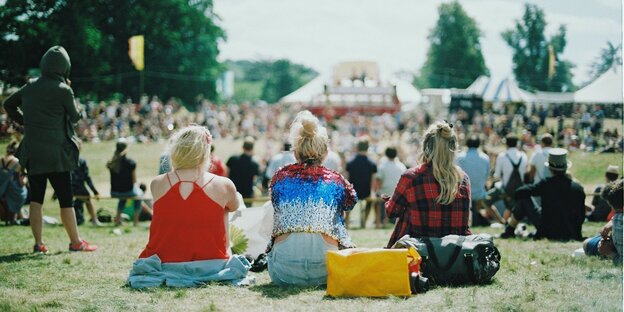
(187, 229)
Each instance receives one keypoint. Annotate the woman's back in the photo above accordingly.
(414, 203)
(188, 224)
(311, 198)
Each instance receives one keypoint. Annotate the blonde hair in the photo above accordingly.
(439, 147)
(308, 138)
(189, 147)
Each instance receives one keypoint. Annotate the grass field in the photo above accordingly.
(534, 276)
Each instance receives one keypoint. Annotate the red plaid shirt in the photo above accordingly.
(414, 203)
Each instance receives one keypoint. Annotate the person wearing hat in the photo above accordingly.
(49, 150)
(123, 179)
(608, 243)
(562, 212)
(601, 210)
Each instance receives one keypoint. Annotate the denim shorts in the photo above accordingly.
(121, 205)
(299, 260)
(591, 248)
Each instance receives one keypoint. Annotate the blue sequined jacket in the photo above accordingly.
(309, 198)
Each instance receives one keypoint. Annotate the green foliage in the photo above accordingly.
(238, 240)
(530, 53)
(454, 58)
(609, 56)
(180, 44)
(267, 80)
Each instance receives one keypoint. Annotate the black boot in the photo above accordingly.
(509, 232)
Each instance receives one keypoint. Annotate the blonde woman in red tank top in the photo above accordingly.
(191, 206)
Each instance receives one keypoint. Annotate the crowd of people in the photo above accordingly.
(311, 191)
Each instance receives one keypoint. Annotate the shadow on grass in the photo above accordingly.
(17, 257)
(277, 292)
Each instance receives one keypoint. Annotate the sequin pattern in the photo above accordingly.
(311, 199)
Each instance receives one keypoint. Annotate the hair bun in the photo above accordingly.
(309, 127)
(445, 130)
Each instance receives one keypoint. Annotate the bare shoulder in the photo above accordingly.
(225, 184)
(159, 186)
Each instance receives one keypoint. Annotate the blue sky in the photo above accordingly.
(320, 33)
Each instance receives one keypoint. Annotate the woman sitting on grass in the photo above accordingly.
(309, 201)
(190, 220)
(432, 199)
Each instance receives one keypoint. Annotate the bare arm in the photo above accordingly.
(234, 201)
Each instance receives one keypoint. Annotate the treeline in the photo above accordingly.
(181, 48)
(267, 80)
(454, 58)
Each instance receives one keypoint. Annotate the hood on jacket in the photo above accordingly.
(55, 63)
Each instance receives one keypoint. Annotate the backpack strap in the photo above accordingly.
(512, 163)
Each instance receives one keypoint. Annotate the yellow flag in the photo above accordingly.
(135, 51)
(551, 61)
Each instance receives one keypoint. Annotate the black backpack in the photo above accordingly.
(456, 259)
(515, 180)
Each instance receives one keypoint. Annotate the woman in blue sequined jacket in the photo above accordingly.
(310, 202)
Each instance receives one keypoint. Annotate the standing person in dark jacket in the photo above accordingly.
(80, 176)
(563, 203)
(361, 171)
(49, 150)
(243, 169)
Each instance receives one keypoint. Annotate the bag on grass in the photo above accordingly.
(104, 216)
(370, 272)
(455, 259)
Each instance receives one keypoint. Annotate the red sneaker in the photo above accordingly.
(42, 249)
(82, 246)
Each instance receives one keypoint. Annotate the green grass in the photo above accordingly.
(534, 276)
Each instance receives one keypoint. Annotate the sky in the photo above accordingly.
(321, 33)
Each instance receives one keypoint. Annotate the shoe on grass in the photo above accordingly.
(42, 249)
(509, 232)
(82, 246)
(96, 222)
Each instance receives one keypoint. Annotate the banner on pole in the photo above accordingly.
(551, 61)
(135, 51)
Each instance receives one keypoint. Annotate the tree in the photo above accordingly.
(266, 79)
(533, 53)
(609, 56)
(454, 58)
(181, 40)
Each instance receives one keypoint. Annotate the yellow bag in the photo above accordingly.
(370, 272)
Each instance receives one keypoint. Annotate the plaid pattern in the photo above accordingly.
(414, 203)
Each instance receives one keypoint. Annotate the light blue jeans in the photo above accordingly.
(299, 260)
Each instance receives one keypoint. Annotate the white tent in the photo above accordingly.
(505, 91)
(313, 91)
(308, 92)
(406, 92)
(606, 89)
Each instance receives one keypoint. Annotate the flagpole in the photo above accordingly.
(141, 83)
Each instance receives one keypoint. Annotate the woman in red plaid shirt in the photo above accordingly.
(432, 199)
